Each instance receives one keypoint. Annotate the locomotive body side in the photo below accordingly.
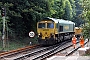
(65, 30)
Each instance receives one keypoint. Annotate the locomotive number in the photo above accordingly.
(45, 29)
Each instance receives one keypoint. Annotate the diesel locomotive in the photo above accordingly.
(78, 31)
(51, 30)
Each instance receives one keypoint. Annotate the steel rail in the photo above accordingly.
(16, 51)
(51, 52)
(35, 52)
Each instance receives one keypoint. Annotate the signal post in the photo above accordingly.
(3, 13)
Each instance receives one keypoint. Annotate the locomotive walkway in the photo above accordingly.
(75, 56)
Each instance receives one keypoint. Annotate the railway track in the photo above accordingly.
(18, 56)
(43, 52)
(69, 51)
(17, 51)
(57, 49)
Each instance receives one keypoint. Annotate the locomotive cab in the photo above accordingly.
(45, 31)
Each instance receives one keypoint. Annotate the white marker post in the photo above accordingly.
(31, 34)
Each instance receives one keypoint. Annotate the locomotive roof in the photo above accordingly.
(60, 21)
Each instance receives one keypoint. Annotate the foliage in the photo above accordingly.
(86, 16)
(22, 17)
(64, 9)
(68, 10)
(24, 14)
(78, 9)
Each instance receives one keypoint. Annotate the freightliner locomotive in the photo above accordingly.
(51, 30)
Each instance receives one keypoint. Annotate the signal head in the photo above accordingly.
(3, 12)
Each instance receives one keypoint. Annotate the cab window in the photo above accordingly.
(50, 25)
(41, 25)
(60, 28)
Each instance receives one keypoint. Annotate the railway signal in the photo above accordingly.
(3, 11)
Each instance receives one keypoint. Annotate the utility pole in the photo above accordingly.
(3, 12)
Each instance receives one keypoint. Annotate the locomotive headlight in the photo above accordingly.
(40, 35)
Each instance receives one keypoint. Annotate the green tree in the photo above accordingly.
(78, 10)
(86, 16)
(23, 15)
(64, 9)
(68, 10)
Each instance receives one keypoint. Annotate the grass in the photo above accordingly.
(18, 43)
(11, 45)
(87, 55)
